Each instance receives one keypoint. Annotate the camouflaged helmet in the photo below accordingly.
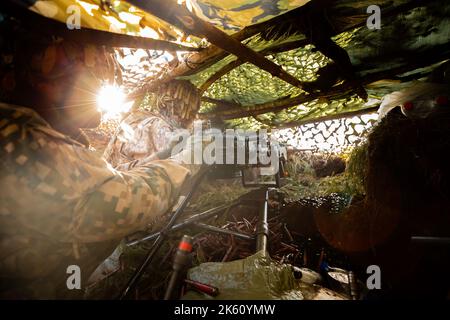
(178, 100)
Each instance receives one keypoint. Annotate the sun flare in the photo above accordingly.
(111, 102)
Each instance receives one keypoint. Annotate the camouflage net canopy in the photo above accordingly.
(248, 85)
(371, 52)
(343, 66)
(245, 96)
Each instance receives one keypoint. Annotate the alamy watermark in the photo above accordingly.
(73, 20)
(50, 9)
(74, 279)
(374, 280)
(374, 20)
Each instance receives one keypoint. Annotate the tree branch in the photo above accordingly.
(236, 63)
(89, 36)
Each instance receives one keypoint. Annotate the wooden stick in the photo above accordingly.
(236, 63)
(90, 36)
(244, 53)
(123, 41)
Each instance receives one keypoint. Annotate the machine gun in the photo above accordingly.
(255, 171)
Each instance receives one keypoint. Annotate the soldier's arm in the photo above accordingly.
(62, 190)
(128, 201)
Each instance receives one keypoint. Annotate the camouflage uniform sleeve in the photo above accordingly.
(57, 187)
(127, 201)
(139, 135)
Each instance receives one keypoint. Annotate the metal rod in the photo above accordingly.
(431, 240)
(263, 227)
(224, 231)
(195, 218)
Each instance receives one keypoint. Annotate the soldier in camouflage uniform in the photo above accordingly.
(145, 133)
(60, 204)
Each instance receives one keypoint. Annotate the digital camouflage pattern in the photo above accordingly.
(60, 204)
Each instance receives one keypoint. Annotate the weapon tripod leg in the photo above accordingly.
(263, 226)
(160, 239)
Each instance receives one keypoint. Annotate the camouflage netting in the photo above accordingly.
(248, 85)
(335, 136)
(423, 30)
(404, 39)
(417, 30)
